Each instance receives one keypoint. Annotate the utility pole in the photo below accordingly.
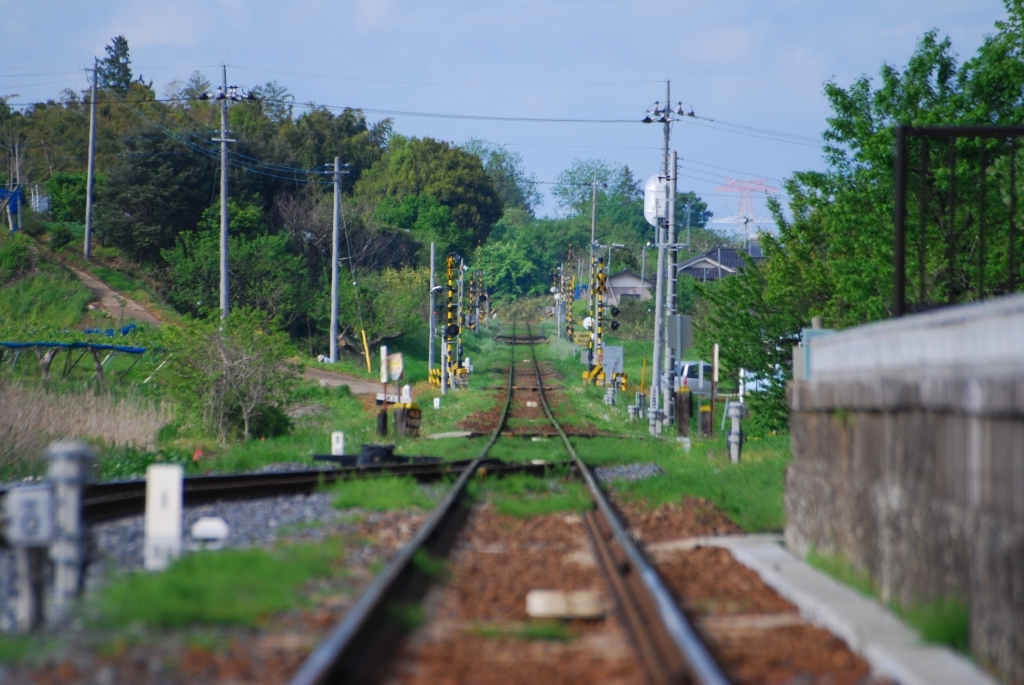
(665, 233)
(668, 399)
(223, 96)
(433, 312)
(91, 181)
(335, 240)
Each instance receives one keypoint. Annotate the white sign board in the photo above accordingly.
(164, 497)
(30, 516)
(337, 444)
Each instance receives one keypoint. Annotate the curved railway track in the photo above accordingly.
(362, 647)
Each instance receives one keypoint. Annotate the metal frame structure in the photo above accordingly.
(953, 134)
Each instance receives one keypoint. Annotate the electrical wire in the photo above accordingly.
(455, 85)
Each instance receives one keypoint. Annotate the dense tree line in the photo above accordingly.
(833, 257)
(157, 199)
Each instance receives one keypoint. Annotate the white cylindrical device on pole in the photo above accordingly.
(335, 239)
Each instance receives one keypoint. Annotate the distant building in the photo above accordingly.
(719, 262)
(627, 284)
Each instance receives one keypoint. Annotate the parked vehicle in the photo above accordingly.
(695, 375)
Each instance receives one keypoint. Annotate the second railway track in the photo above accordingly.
(372, 643)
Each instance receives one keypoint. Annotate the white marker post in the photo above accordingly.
(337, 444)
(164, 496)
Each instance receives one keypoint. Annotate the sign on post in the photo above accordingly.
(30, 516)
(164, 495)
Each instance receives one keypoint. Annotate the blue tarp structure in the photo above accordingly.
(12, 200)
(73, 346)
(110, 332)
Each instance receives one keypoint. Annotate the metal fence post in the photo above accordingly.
(69, 467)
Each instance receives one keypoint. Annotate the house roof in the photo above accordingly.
(729, 258)
(627, 272)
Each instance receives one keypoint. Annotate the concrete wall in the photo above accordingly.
(908, 458)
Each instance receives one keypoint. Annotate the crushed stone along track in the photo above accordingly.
(471, 623)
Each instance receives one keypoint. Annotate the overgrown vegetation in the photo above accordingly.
(384, 493)
(944, 620)
(230, 586)
(525, 496)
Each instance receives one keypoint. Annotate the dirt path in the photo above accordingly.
(118, 306)
(358, 386)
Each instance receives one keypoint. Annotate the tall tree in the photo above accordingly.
(516, 188)
(114, 70)
(453, 177)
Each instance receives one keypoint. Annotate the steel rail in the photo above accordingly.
(696, 659)
(357, 649)
(105, 501)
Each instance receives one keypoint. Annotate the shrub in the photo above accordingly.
(60, 235)
(15, 258)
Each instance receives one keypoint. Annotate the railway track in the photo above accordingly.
(362, 648)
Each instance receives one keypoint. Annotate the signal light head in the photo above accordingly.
(614, 325)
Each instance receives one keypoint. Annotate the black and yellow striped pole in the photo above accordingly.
(599, 321)
(593, 329)
(461, 316)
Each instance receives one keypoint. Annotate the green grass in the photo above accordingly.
(386, 493)
(551, 631)
(226, 587)
(524, 496)
(430, 566)
(750, 493)
(943, 621)
(840, 568)
(408, 616)
(14, 648)
(52, 297)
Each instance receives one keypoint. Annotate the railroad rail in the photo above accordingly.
(361, 647)
(114, 499)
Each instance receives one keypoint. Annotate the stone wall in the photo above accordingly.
(918, 478)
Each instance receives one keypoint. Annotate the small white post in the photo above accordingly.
(164, 499)
(69, 468)
(337, 444)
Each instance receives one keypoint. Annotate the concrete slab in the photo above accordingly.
(891, 648)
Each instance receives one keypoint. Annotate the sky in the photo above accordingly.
(761, 65)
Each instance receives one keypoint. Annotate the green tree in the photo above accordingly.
(114, 70)
(228, 374)
(515, 187)
(157, 189)
(262, 273)
(67, 197)
(453, 177)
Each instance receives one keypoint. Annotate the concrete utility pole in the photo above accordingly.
(224, 140)
(668, 397)
(335, 240)
(433, 312)
(659, 313)
(91, 180)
